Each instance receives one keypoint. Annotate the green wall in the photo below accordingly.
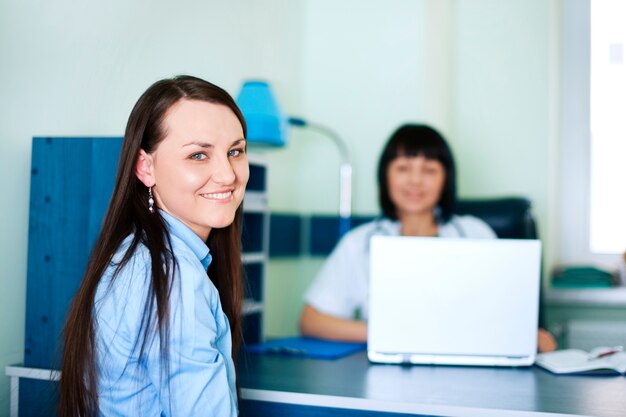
(505, 116)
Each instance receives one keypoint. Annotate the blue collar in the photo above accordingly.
(184, 233)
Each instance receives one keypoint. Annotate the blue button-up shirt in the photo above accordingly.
(198, 378)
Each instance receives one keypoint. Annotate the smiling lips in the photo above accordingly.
(219, 196)
(414, 195)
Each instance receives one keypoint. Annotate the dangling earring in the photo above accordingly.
(150, 200)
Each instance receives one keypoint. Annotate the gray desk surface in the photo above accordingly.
(354, 383)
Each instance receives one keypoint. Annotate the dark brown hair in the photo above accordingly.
(128, 214)
(417, 140)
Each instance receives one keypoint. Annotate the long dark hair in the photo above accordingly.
(128, 214)
(417, 140)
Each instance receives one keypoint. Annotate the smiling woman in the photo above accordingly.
(149, 333)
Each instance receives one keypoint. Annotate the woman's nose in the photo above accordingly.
(223, 172)
(415, 176)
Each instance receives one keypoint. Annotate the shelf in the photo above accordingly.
(32, 373)
(597, 297)
(255, 202)
(251, 307)
(252, 257)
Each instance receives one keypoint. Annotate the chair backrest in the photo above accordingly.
(510, 218)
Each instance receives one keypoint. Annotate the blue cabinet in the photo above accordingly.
(255, 245)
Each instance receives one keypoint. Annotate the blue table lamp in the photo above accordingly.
(269, 126)
(266, 123)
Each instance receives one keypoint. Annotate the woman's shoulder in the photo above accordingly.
(127, 270)
(356, 241)
(381, 225)
(471, 226)
(468, 219)
(123, 289)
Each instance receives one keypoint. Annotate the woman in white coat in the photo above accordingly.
(417, 195)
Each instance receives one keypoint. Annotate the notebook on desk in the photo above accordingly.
(453, 301)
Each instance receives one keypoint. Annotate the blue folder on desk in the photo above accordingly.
(307, 347)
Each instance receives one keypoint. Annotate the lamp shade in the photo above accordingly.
(264, 119)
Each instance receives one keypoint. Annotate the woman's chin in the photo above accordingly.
(417, 211)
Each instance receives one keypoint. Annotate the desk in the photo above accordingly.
(280, 385)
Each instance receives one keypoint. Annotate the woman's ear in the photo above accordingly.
(144, 168)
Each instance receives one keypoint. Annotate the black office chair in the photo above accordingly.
(510, 218)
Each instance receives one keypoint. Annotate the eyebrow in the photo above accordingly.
(209, 145)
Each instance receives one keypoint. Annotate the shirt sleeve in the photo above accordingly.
(198, 377)
(338, 289)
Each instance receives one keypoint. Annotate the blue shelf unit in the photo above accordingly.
(71, 184)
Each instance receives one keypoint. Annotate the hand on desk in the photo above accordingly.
(545, 341)
(314, 323)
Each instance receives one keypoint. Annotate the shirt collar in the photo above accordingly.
(184, 233)
(388, 226)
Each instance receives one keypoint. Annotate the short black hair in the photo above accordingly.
(418, 140)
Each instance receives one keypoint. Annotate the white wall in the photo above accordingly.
(76, 68)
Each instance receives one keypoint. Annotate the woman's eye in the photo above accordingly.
(198, 156)
(431, 170)
(233, 153)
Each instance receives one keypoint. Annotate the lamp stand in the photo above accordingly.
(345, 171)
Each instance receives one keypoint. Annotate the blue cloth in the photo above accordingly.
(199, 376)
(308, 347)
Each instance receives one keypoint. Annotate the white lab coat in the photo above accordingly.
(341, 288)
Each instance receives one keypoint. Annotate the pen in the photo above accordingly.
(602, 352)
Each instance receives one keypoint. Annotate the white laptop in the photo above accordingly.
(453, 301)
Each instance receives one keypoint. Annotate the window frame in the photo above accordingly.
(575, 149)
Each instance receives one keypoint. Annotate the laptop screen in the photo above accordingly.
(457, 301)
